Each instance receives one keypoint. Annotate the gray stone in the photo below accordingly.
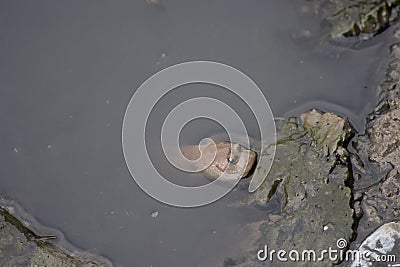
(20, 246)
(363, 19)
(382, 247)
(347, 23)
(311, 177)
(378, 150)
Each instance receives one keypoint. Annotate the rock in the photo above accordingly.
(383, 245)
(391, 187)
(358, 209)
(384, 135)
(378, 159)
(328, 132)
(20, 246)
(346, 23)
(363, 19)
(311, 177)
(379, 151)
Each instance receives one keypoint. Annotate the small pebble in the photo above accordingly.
(274, 218)
(396, 33)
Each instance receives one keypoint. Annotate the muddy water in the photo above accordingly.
(68, 70)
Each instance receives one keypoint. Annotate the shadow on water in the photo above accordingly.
(68, 72)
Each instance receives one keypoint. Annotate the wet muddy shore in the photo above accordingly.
(330, 69)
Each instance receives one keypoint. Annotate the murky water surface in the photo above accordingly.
(68, 70)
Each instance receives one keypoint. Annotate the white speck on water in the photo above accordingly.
(15, 150)
(214, 232)
(326, 227)
(162, 57)
(110, 212)
(49, 146)
(107, 101)
(301, 61)
(295, 101)
(154, 214)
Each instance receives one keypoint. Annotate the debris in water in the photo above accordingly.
(154, 214)
(45, 238)
(153, 2)
(162, 57)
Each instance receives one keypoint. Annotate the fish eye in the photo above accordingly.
(234, 154)
(232, 159)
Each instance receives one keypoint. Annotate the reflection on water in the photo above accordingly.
(68, 72)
